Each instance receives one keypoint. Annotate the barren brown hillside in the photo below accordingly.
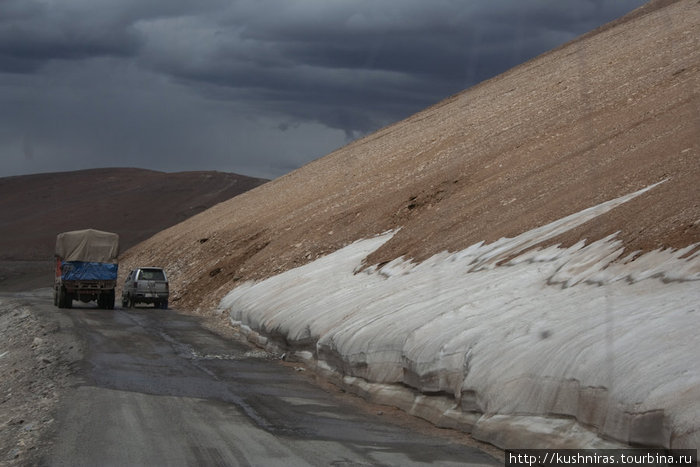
(601, 117)
(135, 203)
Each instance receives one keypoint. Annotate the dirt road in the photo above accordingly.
(155, 387)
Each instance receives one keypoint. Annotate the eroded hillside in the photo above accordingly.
(604, 116)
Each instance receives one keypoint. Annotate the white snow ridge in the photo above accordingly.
(553, 347)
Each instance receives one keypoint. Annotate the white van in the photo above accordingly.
(146, 285)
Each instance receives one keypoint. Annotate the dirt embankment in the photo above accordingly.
(39, 358)
(601, 117)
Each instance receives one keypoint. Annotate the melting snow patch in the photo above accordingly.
(537, 341)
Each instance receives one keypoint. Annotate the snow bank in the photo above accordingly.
(522, 346)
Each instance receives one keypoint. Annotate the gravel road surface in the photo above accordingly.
(155, 387)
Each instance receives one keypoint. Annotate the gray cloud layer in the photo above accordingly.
(254, 86)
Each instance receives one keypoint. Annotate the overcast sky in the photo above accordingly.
(257, 87)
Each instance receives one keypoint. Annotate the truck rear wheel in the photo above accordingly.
(106, 300)
(65, 300)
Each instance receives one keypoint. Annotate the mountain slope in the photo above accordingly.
(599, 118)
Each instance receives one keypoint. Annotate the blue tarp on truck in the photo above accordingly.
(88, 271)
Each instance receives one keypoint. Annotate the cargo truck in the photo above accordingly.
(86, 268)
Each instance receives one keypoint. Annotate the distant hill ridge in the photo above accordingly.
(135, 203)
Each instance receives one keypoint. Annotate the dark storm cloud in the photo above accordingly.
(257, 85)
(357, 65)
(33, 32)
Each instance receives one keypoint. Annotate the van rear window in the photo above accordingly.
(151, 275)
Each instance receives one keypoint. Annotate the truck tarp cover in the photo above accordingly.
(88, 245)
(82, 271)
